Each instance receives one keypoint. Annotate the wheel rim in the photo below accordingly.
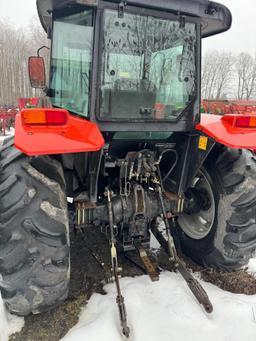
(198, 225)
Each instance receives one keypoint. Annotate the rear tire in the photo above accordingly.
(34, 236)
(231, 241)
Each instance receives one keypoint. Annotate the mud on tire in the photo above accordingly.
(232, 239)
(34, 238)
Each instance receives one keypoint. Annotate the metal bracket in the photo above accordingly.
(182, 21)
(121, 8)
(149, 266)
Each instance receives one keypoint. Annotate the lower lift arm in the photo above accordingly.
(169, 247)
(116, 270)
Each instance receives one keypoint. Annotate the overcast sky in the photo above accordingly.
(18, 12)
(241, 37)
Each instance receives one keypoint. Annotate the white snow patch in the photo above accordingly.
(164, 311)
(154, 244)
(252, 266)
(9, 324)
(1, 141)
(8, 133)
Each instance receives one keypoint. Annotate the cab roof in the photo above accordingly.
(215, 17)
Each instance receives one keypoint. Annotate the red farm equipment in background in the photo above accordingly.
(7, 118)
(230, 107)
(28, 103)
(8, 113)
(226, 107)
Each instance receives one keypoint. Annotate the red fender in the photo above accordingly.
(223, 129)
(75, 136)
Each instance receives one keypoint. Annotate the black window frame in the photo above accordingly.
(186, 122)
(62, 13)
(133, 125)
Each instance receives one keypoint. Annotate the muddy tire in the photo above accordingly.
(34, 238)
(230, 241)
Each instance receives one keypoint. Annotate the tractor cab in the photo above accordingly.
(122, 140)
(129, 66)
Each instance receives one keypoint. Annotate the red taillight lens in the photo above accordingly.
(55, 117)
(246, 122)
(43, 117)
(240, 121)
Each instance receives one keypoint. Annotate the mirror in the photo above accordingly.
(36, 70)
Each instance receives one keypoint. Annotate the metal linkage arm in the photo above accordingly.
(116, 271)
(169, 246)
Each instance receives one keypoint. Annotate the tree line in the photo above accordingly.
(224, 74)
(228, 75)
(16, 45)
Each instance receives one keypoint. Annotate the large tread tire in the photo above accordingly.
(232, 239)
(34, 236)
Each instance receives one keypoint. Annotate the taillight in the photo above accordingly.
(44, 116)
(246, 122)
(238, 121)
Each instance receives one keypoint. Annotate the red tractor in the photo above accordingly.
(125, 139)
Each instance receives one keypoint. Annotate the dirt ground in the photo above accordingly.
(88, 276)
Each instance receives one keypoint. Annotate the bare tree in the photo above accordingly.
(246, 76)
(222, 73)
(16, 45)
(217, 74)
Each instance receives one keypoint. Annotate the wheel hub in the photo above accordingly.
(198, 222)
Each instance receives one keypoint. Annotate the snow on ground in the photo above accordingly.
(9, 324)
(164, 311)
(252, 266)
(8, 133)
